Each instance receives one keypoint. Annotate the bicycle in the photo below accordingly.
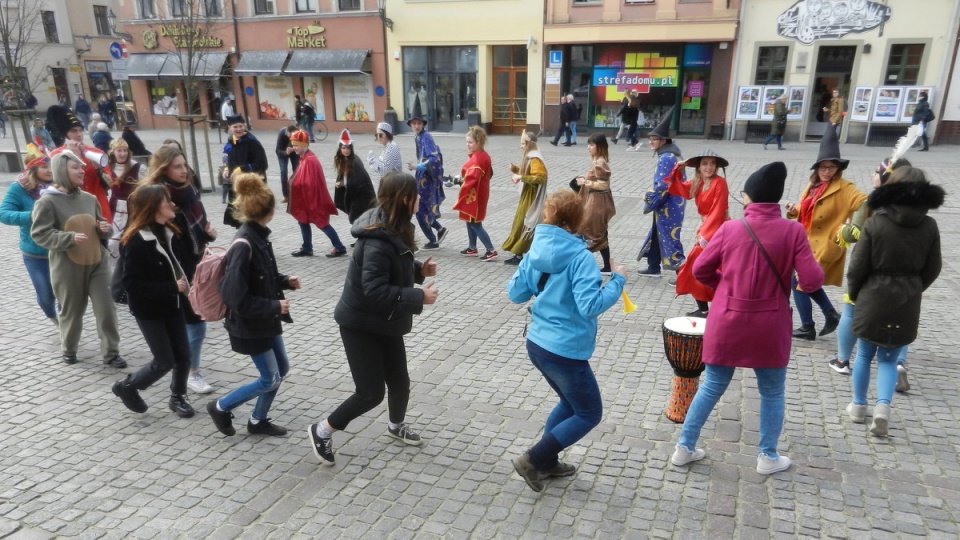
(320, 131)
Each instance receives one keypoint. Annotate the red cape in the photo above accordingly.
(310, 201)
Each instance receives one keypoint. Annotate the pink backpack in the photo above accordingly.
(204, 293)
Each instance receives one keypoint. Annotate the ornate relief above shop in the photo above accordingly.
(809, 20)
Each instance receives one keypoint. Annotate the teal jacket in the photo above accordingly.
(15, 210)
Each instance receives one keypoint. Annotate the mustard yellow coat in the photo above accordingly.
(837, 204)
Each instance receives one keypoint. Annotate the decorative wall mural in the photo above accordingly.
(808, 20)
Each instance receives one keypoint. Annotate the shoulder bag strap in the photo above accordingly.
(766, 256)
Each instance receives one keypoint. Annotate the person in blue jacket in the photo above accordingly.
(569, 296)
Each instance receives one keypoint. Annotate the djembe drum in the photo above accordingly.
(683, 345)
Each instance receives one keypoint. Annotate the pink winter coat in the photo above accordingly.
(749, 323)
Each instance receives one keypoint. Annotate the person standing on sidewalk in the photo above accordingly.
(533, 173)
(563, 130)
(569, 295)
(779, 123)
(310, 202)
(896, 259)
(749, 263)
(573, 113)
(662, 245)
(82, 108)
(475, 193)
(836, 111)
(429, 173)
(252, 289)
(287, 157)
(376, 310)
(157, 291)
(923, 115)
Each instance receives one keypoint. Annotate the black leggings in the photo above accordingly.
(375, 360)
(168, 342)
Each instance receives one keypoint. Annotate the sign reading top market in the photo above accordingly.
(809, 20)
(308, 37)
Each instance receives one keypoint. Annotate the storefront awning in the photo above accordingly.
(203, 65)
(145, 65)
(265, 63)
(329, 62)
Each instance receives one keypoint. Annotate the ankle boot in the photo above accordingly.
(881, 417)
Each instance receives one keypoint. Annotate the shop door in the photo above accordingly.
(834, 66)
(509, 100)
(693, 106)
(443, 101)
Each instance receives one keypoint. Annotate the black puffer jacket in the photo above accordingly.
(150, 276)
(378, 295)
(252, 287)
(895, 260)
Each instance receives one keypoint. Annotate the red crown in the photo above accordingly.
(300, 138)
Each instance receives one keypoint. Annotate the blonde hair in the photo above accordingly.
(254, 199)
(478, 134)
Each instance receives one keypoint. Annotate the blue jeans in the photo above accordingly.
(427, 228)
(476, 230)
(306, 230)
(886, 371)
(778, 138)
(846, 340)
(38, 268)
(805, 307)
(770, 384)
(195, 334)
(580, 408)
(654, 256)
(309, 124)
(573, 132)
(286, 161)
(273, 366)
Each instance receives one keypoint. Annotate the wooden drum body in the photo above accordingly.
(683, 345)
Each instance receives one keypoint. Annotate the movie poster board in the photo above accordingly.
(748, 102)
(862, 103)
(911, 97)
(796, 102)
(770, 95)
(888, 104)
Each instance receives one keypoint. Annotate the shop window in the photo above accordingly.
(50, 26)
(147, 10)
(103, 24)
(771, 65)
(212, 8)
(305, 6)
(348, 5)
(903, 66)
(510, 56)
(178, 8)
(163, 96)
(443, 80)
(263, 7)
(585, 2)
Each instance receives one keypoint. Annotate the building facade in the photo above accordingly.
(672, 52)
(872, 51)
(260, 54)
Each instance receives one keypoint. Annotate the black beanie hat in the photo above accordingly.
(62, 119)
(766, 185)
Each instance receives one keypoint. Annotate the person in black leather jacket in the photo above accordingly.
(252, 289)
(156, 292)
(376, 309)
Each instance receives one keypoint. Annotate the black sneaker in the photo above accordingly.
(469, 252)
(806, 332)
(649, 272)
(336, 253)
(129, 396)
(489, 256)
(842, 368)
(117, 362)
(302, 253)
(833, 321)
(431, 245)
(323, 448)
(266, 427)
(221, 419)
(70, 359)
(441, 234)
(530, 475)
(405, 434)
(562, 469)
(513, 261)
(697, 313)
(179, 405)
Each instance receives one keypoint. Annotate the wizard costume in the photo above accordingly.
(429, 175)
(667, 209)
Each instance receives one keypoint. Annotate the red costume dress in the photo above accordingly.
(475, 192)
(310, 202)
(712, 205)
(92, 182)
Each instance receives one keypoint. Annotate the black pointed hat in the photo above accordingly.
(830, 150)
(62, 119)
(662, 130)
(417, 112)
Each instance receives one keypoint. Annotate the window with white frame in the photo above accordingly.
(903, 65)
(263, 7)
(147, 10)
(348, 5)
(178, 8)
(212, 8)
(305, 6)
(103, 24)
(50, 26)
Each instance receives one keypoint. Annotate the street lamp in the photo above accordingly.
(382, 8)
(88, 43)
(112, 19)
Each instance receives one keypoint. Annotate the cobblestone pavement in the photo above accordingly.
(75, 463)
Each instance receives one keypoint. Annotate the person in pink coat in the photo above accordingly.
(749, 324)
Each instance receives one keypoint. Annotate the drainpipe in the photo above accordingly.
(732, 91)
(947, 67)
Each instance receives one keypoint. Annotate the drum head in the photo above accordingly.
(691, 326)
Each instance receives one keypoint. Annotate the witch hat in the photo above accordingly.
(345, 139)
(417, 112)
(830, 150)
(662, 131)
(695, 160)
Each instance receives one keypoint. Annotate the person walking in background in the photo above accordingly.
(68, 223)
(569, 295)
(623, 124)
(376, 310)
(563, 130)
(16, 210)
(896, 259)
(82, 109)
(710, 192)
(156, 293)
(107, 109)
(598, 206)
(298, 110)
(226, 111)
(574, 114)
(923, 115)
(533, 174)
(429, 173)
(475, 193)
(631, 117)
(825, 205)
(287, 157)
(836, 111)
(309, 118)
(41, 136)
(749, 263)
(102, 138)
(389, 159)
(353, 193)
(310, 202)
(779, 123)
(252, 289)
(662, 245)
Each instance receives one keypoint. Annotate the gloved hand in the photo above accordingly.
(847, 234)
(422, 166)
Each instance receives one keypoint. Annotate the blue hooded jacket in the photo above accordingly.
(564, 315)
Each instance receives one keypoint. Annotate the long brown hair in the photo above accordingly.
(397, 190)
(160, 162)
(143, 205)
(342, 163)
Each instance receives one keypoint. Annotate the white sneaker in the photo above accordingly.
(681, 456)
(198, 384)
(857, 413)
(881, 417)
(903, 385)
(769, 465)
